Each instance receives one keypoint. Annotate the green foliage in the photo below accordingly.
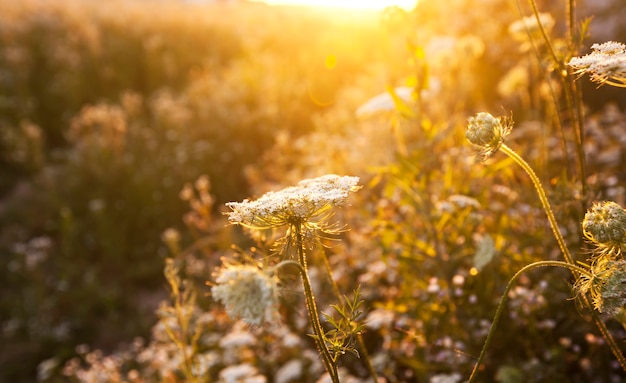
(341, 337)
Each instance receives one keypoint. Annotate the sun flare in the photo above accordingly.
(347, 4)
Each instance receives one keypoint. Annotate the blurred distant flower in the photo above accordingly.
(514, 82)
(241, 373)
(171, 237)
(487, 133)
(385, 102)
(527, 27)
(247, 292)
(309, 201)
(606, 64)
(446, 378)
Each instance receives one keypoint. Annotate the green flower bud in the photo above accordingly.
(605, 226)
(487, 133)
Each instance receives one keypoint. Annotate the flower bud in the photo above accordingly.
(605, 225)
(487, 133)
(613, 289)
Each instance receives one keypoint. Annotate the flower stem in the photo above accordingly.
(544, 200)
(500, 308)
(319, 337)
(566, 254)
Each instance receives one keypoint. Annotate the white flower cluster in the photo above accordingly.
(309, 199)
(606, 64)
(247, 293)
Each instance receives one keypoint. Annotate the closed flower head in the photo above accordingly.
(613, 289)
(310, 200)
(606, 283)
(247, 293)
(605, 226)
(487, 133)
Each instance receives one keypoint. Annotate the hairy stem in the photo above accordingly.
(544, 200)
(330, 365)
(566, 254)
(500, 309)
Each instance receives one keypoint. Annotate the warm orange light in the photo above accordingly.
(351, 4)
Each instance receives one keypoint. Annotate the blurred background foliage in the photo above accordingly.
(108, 108)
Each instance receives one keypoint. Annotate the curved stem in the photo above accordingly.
(330, 365)
(505, 295)
(566, 254)
(544, 200)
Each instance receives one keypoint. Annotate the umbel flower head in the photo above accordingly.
(247, 293)
(487, 133)
(606, 64)
(604, 226)
(310, 200)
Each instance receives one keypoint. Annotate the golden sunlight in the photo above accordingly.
(348, 4)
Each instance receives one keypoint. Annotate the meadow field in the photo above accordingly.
(236, 192)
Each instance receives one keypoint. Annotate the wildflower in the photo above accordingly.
(385, 102)
(604, 225)
(528, 26)
(613, 289)
(606, 64)
(606, 283)
(309, 201)
(487, 133)
(247, 292)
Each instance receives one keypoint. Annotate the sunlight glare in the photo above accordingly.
(351, 4)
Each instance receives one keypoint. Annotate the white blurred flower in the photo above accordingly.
(289, 372)
(446, 378)
(242, 373)
(248, 293)
(384, 102)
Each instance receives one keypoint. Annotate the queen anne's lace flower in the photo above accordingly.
(487, 133)
(606, 64)
(605, 227)
(310, 199)
(248, 293)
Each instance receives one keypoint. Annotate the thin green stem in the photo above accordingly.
(566, 254)
(543, 198)
(500, 309)
(331, 367)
